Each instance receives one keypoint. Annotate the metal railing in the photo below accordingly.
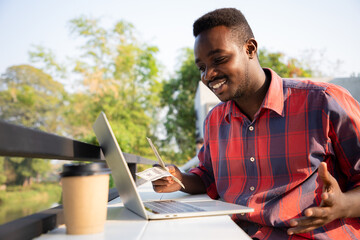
(19, 141)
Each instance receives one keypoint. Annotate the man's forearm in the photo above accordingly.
(193, 183)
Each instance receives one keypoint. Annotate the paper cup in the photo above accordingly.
(85, 196)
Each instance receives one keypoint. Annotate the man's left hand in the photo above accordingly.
(332, 206)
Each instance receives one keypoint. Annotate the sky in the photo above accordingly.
(323, 32)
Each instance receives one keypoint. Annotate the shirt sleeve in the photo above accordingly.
(206, 176)
(343, 115)
(205, 168)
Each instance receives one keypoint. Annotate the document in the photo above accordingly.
(158, 172)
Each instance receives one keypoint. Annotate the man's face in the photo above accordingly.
(223, 63)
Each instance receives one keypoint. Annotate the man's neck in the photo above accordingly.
(251, 103)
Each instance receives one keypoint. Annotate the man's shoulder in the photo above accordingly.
(221, 106)
(326, 88)
(220, 110)
(304, 84)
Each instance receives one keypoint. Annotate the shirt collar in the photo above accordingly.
(274, 98)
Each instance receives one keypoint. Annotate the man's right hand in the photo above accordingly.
(192, 182)
(167, 184)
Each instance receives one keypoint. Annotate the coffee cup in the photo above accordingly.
(85, 195)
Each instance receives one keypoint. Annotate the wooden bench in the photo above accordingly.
(19, 141)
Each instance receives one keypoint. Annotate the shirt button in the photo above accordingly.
(252, 159)
(252, 188)
(251, 128)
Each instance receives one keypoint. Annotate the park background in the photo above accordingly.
(62, 62)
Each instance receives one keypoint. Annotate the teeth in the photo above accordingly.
(216, 86)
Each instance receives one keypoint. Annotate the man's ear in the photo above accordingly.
(251, 47)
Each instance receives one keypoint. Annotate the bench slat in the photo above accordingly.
(19, 141)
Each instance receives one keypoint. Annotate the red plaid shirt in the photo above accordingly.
(270, 164)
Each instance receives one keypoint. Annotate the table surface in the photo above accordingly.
(124, 224)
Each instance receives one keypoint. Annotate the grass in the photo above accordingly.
(17, 201)
(36, 192)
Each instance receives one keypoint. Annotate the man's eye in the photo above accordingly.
(219, 60)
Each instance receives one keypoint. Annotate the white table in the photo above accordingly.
(124, 224)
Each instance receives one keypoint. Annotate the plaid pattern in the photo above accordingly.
(271, 164)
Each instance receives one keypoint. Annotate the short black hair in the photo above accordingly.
(228, 17)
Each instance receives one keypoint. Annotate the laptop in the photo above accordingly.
(162, 209)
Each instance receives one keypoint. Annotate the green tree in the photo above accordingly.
(178, 99)
(285, 68)
(118, 75)
(30, 97)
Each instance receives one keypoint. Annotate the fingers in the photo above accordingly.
(330, 186)
(173, 170)
(165, 181)
(328, 199)
(314, 218)
(304, 224)
(166, 185)
(324, 174)
(317, 212)
(162, 184)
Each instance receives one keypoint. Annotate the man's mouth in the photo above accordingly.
(216, 85)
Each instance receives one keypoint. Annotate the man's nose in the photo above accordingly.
(208, 74)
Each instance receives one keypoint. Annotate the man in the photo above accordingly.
(289, 149)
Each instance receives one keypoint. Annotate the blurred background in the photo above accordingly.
(62, 62)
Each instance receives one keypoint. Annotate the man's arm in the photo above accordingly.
(192, 182)
(334, 205)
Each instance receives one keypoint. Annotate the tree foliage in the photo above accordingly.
(178, 97)
(30, 97)
(289, 68)
(116, 74)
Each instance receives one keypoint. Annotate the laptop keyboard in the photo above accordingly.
(170, 206)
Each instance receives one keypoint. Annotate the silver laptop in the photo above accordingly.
(129, 195)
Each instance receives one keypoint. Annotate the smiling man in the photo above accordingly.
(289, 149)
